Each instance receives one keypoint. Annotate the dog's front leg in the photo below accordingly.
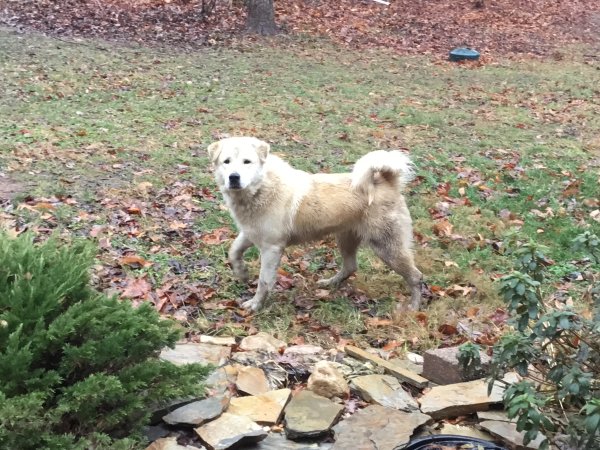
(236, 255)
(269, 261)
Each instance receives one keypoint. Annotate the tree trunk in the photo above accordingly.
(261, 17)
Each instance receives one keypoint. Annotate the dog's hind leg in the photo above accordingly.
(396, 252)
(236, 254)
(269, 261)
(348, 243)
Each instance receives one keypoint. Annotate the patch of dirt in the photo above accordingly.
(494, 27)
(9, 188)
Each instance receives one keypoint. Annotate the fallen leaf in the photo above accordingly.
(447, 329)
(216, 237)
(137, 287)
(442, 228)
(572, 189)
(473, 311)
(378, 322)
(176, 225)
(392, 345)
(134, 260)
(422, 318)
(499, 317)
(322, 293)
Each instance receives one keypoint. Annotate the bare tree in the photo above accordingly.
(261, 17)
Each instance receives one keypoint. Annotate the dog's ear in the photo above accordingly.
(214, 150)
(263, 150)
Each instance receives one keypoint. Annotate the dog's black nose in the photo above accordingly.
(234, 178)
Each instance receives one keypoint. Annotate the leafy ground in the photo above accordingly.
(498, 28)
(108, 143)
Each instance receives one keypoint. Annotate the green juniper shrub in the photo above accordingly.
(556, 350)
(78, 369)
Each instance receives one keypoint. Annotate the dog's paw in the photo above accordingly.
(240, 271)
(251, 305)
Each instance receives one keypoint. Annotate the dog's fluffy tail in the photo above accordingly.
(394, 164)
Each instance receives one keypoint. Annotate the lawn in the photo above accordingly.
(108, 143)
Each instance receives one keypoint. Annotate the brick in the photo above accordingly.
(442, 367)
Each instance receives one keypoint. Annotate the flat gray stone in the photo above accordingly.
(384, 390)
(155, 432)
(310, 415)
(407, 364)
(303, 349)
(507, 433)
(220, 381)
(441, 366)
(377, 428)
(229, 430)
(459, 399)
(197, 413)
(494, 415)
(161, 410)
(278, 442)
(192, 352)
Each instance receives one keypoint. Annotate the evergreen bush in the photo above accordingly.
(78, 369)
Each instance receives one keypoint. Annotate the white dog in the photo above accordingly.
(275, 205)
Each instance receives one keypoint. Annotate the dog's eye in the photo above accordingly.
(227, 161)
(247, 161)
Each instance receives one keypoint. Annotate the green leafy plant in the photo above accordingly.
(588, 242)
(469, 358)
(556, 351)
(522, 294)
(530, 259)
(79, 370)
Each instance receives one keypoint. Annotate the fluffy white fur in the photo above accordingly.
(275, 205)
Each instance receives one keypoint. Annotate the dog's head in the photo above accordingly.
(238, 161)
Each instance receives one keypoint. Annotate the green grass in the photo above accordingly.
(77, 121)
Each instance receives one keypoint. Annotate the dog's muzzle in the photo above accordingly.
(234, 181)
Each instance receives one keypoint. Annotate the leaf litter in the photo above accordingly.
(498, 27)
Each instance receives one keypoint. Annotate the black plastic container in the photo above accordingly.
(449, 440)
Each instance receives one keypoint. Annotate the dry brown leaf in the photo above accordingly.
(375, 322)
(137, 287)
(216, 237)
(442, 228)
(134, 260)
